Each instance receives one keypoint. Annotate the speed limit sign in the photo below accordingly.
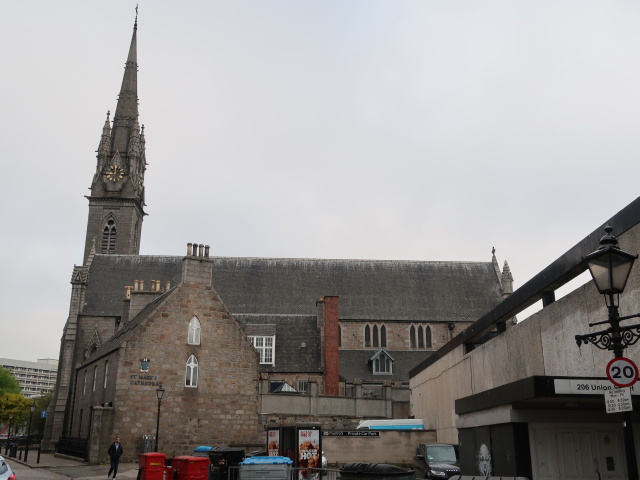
(622, 372)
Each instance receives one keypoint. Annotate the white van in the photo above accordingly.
(393, 424)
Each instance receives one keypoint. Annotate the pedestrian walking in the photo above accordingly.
(115, 452)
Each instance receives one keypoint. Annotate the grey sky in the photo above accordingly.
(427, 130)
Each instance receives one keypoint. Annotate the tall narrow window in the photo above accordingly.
(109, 237)
(84, 384)
(427, 332)
(375, 336)
(367, 336)
(383, 336)
(194, 332)
(339, 335)
(95, 377)
(412, 336)
(191, 377)
(265, 346)
(420, 337)
(106, 373)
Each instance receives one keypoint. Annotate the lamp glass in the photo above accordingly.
(160, 392)
(610, 270)
(32, 407)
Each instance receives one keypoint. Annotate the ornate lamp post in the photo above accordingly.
(610, 268)
(32, 408)
(159, 394)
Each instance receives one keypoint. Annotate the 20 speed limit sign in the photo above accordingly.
(622, 372)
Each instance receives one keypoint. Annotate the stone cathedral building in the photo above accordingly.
(218, 332)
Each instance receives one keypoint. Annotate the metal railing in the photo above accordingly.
(73, 446)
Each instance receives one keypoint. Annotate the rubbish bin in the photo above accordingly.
(221, 459)
(189, 467)
(271, 468)
(151, 466)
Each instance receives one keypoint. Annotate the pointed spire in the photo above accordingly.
(127, 108)
(507, 280)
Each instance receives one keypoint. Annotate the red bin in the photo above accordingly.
(187, 467)
(151, 466)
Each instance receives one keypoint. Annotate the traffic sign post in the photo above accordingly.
(622, 372)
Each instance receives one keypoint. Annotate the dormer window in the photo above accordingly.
(382, 363)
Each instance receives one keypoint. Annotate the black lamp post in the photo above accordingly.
(32, 408)
(10, 424)
(159, 394)
(610, 268)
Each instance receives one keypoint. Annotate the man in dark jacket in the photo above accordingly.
(115, 452)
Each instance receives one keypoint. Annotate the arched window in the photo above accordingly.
(420, 337)
(191, 377)
(367, 336)
(194, 332)
(412, 336)
(109, 237)
(375, 336)
(383, 336)
(427, 332)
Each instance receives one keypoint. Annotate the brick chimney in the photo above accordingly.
(196, 265)
(328, 309)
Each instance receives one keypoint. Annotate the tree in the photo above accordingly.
(8, 383)
(42, 403)
(15, 406)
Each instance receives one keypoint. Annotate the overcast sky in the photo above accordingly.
(420, 130)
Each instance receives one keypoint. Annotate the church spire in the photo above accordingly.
(116, 204)
(127, 108)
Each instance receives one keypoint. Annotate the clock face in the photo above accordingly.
(114, 173)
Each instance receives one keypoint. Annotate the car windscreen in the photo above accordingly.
(441, 453)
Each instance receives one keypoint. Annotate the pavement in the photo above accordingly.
(68, 467)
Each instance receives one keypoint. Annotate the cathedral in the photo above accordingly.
(219, 333)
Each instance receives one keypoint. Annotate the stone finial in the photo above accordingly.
(507, 280)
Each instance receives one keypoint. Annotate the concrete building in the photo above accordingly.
(35, 378)
(528, 401)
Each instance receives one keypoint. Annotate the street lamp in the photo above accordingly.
(610, 268)
(10, 424)
(32, 408)
(159, 394)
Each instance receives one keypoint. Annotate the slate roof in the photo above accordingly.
(355, 364)
(297, 341)
(368, 289)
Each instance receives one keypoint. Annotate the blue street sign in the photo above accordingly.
(43, 414)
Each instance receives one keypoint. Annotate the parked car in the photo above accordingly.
(5, 470)
(437, 460)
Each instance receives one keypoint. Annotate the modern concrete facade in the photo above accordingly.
(527, 401)
(35, 378)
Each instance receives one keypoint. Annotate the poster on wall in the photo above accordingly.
(273, 443)
(308, 450)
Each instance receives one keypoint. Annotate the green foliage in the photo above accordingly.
(8, 384)
(42, 403)
(16, 406)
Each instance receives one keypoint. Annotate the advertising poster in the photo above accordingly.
(308, 450)
(273, 443)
